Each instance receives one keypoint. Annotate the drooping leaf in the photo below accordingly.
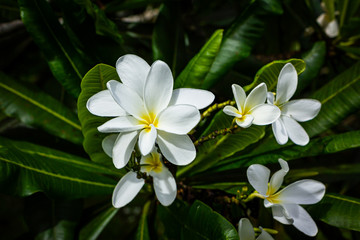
(168, 42)
(142, 232)
(270, 72)
(338, 210)
(241, 37)
(24, 173)
(196, 70)
(38, 109)
(64, 61)
(93, 229)
(203, 223)
(94, 81)
(339, 98)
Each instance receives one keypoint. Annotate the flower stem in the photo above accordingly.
(216, 106)
(269, 230)
(252, 196)
(215, 134)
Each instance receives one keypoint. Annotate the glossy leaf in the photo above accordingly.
(241, 37)
(339, 98)
(142, 232)
(168, 42)
(196, 70)
(203, 223)
(270, 72)
(316, 147)
(64, 61)
(94, 81)
(38, 109)
(314, 60)
(93, 229)
(223, 146)
(25, 173)
(338, 210)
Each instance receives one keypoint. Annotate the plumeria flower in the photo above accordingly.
(130, 185)
(292, 112)
(246, 231)
(330, 26)
(148, 110)
(285, 203)
(252, 109)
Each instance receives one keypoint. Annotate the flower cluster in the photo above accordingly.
(149, 114)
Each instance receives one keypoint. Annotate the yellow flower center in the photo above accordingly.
(152, 163)
(149, 119)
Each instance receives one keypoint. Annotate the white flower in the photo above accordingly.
(292, 112)
(246, 231)
(285, 203)
(252, 109)
(147, 109)
(331, 27)
(129, 185)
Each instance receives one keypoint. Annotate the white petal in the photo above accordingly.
(177, 149)
(305, 191)
(103, 104)
(301, 110)
(178, 119)
(196, 97)
(295, 131)
(270, 96)
(264, 235)
(302, 220)
(258, 176)
(121, 124)
(158, 87)
(127, 98)
(246, 230)
(287, 83)
(108, 144)
(133, 71)
(321, 20)
(232, 111)
(123, 148)
(165, 187)
(126, 189)
(240, 97)
(278, 177)
(265, 114)
(257, 96)
(281, 215)
(245, 121)
(280, 132)
(332, 29)
(147, 140)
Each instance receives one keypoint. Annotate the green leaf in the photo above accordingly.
(338, 210)
(339, 98)
(223, 146)
(93, 229)
(24, 173)
(168, 41)
(316, 147)
(204, 223)
(38, 109)
(314, 60)
(196, 70)
(142, 232)
(65, 63)
(93, 82)
(270, 72)
(241, 37)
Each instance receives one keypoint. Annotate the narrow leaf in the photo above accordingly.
(142, 232)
